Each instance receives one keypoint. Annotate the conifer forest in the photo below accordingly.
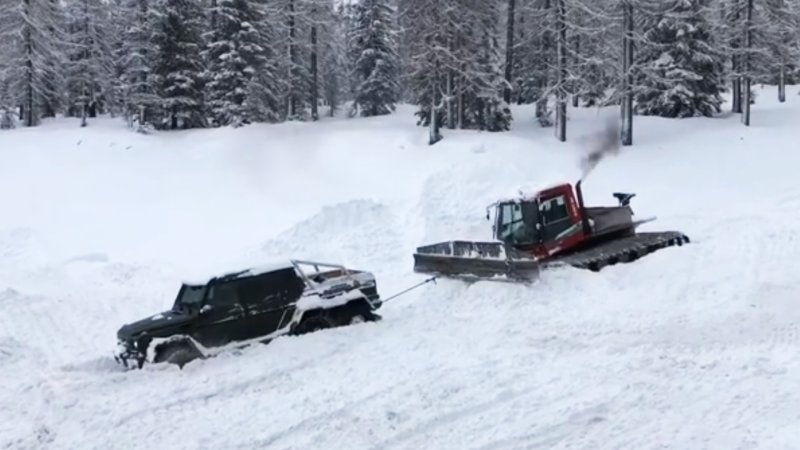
(179, 64)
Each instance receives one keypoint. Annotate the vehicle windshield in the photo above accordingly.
(516, 222)
(190, 296)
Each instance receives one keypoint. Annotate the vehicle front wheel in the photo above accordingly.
(178, 353)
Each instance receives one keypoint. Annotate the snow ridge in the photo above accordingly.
(691, 347)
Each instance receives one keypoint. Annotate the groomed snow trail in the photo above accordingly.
(691, 347)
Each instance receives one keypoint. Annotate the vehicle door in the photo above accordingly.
(270, 301)
(516, 223)
(218, 322)
(556, 223)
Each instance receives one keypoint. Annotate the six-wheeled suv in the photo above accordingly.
(253, 305)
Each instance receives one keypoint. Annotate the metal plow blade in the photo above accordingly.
(475, 260)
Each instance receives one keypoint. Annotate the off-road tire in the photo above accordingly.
(179, 353)
(361, 317)
(314, 323)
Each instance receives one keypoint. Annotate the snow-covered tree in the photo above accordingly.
(294, 21)
(680, 70)
(456, 75)
(235, 56)
(374, 42)
(33, 31)
(780, 28)
(265, 102)
(136, 60)
(178, 65)
(335, 67)
(485, 83)
(592, 58)
(90, 68)
(7, 117)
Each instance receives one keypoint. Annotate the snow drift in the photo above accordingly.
(691, 347)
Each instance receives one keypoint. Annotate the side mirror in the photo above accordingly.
(205, 309)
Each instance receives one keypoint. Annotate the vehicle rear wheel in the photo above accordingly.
(358, 318)
(314, 323)
(361, 317)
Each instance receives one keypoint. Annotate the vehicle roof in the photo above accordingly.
(530, 192)
(270, 266)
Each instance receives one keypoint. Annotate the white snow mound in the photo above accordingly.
(691, 347)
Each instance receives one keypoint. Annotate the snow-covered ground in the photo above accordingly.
(691, 347)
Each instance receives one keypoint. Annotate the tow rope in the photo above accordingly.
(410, 289)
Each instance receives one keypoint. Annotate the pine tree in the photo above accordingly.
(527, 58)
(779, 27)
(264, 101)
(234, 56)
(374, 40)
(178, 65)
(33, 30)
(90, 69)
(334, 61)
(680, 70)
(293, 21)
(456, 76)
(7, 119)
(486, 81)
(136, 62)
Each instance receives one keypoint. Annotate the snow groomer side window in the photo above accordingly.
(553, 210)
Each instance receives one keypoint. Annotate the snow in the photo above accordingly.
(314, 301)
(691, 347)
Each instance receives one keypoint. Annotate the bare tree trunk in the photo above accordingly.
(520, 98)
(29, 107)
(451, 120)
(561, 94)
(433, 131)
(27, 39)
(576, 62)
(509, 50)
(314, 74)
(462, 81)
(782, 84)
(460, 106)
(748, 39)
(627, 76)
(736, 88)
(541, 103)
(292, 62)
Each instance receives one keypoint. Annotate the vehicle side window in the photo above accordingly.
(257, 291)
(274, 289)
(553, 210)
(224, 294)
(510, 219)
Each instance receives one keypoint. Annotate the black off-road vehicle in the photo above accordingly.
(253, 305)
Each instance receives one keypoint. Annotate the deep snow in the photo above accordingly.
(691, 347)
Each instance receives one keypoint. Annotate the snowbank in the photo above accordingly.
(691, 347)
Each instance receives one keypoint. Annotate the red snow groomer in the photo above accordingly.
(551, 228)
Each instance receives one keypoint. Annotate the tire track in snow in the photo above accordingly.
(253, 384)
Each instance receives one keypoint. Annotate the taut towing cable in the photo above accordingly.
(405, 291)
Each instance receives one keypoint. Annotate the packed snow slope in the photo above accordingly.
(692, 347)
